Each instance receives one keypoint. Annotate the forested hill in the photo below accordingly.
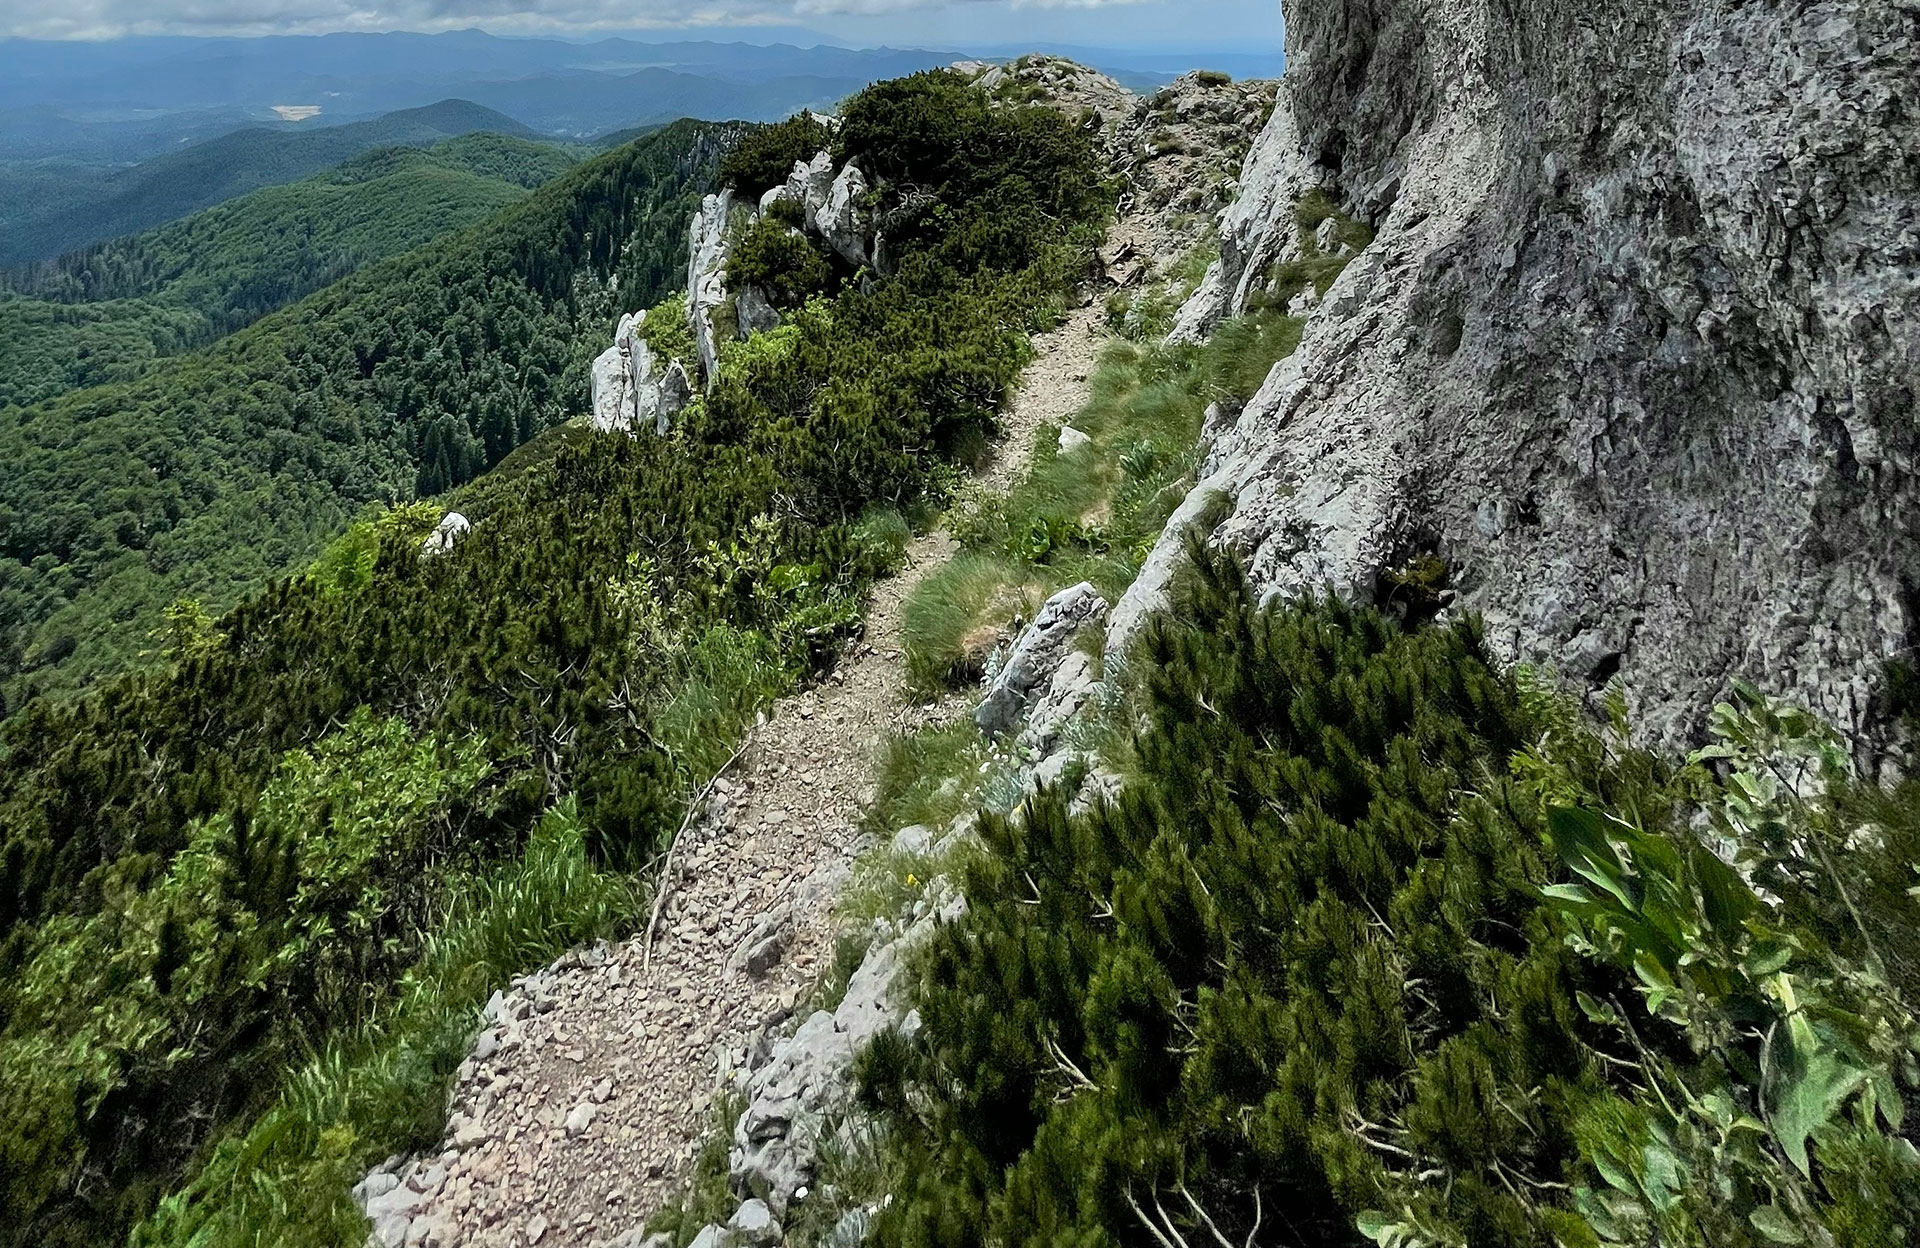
(107, 312)
(222, 468)
(204, 174)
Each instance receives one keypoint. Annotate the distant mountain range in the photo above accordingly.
(41, 221)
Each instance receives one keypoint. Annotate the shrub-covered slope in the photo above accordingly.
(106, 313)
(220, 469)
(251, 901)
(1382, 945)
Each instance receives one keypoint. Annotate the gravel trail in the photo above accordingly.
(576, 1120)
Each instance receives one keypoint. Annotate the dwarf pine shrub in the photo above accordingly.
(1383, 944)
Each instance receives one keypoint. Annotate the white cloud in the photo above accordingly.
(93, 19)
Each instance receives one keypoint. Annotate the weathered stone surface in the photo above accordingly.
(630, 389)
(805, 1084)
(756, 314)
(842, 220)
(1072, 687)
(452, 527)
(706, 276)
(1151, 589)
(753, 1225)
(1637, 346)
(1072, 439)
(1037, 655)
(811, 183)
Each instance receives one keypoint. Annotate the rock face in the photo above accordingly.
(1636, 348)
(630, 389)
(842, 220)
(1037, 655)
(707, 277)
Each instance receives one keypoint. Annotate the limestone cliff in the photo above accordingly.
(1636, 348)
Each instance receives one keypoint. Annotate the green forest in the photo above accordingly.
(253, 896)
(1384, 944)
(220, 469)
(108, 312)
(53, 207)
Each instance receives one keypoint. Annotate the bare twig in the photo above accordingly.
(694, 806)
(1147, 1222)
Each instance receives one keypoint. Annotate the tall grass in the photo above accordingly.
(383, 1088)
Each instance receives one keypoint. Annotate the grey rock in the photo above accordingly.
(765, 945)
(1151, 591)
(452, 527)
(792, 1098)
(1072, 439)
(1653, 399)
(630, 389)
(913, 840)
(706, 276)
(1037, 655)
(1072, 688)
(710, 1236)
(580, 1118)
(842, 220)
(754, 1226)
(811, 183)
(635, 1237)
(755, 313)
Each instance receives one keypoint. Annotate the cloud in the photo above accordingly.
(95, 19)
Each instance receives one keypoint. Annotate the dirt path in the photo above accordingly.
(574, 1121)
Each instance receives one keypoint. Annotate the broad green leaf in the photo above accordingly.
(1770, 1221)
(1581, 838)
(1809, 1085)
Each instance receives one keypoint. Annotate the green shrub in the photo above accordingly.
(1383, 945)
(766, 156)
(782, 262)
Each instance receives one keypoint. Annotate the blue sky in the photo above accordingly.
(1171, 25)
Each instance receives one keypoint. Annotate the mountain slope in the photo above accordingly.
(107, 313)
(205, 174)
(227, 466)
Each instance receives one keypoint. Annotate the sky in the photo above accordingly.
(1249, 25)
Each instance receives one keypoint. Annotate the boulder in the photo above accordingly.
(753, 1226)
(811, 183)
(630, 389)
(452, 527)
(1037, 655)
(1072, 439)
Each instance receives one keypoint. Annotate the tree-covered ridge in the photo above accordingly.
(224, 468)
(1382, 945)
(107, 313)
(64, 211)
(536, 704)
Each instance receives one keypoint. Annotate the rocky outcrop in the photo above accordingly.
(707, 277)
(842, 221)
(630, 389)
(452, 527)
(803, 1091)
(1037, 655)
(1636, 348)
